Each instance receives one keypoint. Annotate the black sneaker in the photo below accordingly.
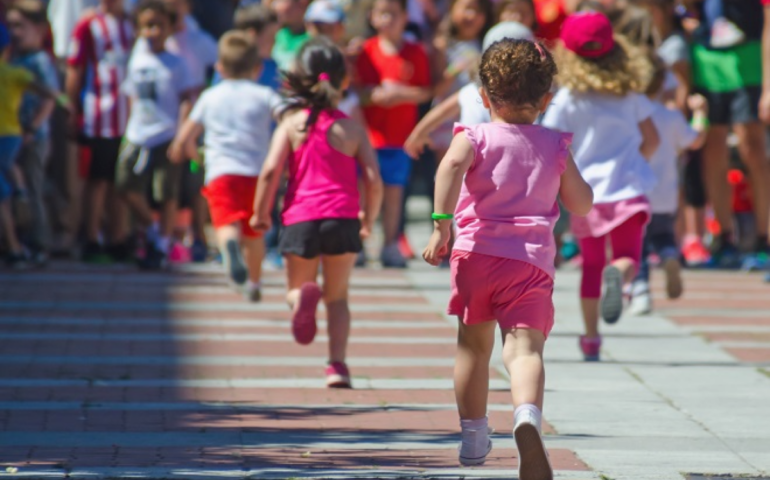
(38, 257)
(94, 253)
(17, 261)
(122, 252)
(726, 256)
(154, 259)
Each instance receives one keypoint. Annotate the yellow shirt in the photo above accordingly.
(13, 82)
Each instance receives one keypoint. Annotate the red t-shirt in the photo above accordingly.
(389, 127)
(550, 16)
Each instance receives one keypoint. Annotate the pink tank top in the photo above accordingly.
(323, 182)
(507, 206)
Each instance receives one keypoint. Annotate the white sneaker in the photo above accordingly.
(533, 456)
(470, 453)
(641, 304)
(391, 257)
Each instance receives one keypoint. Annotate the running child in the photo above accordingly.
(323, 151)
(160, 89)
(676, 135)
(614, 137)
(501, 180)
(236, 116)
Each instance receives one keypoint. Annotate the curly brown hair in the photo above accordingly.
(517, 72)
(625, 69)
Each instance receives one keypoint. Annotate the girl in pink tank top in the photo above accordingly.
(500, 181)
(323, 151)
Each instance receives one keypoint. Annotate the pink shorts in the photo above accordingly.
(515, 293)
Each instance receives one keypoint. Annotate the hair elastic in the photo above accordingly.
(540, 49)
(323, 77)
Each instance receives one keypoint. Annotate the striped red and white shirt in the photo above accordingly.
(101, 44)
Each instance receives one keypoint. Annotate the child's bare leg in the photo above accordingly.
(9, 227)
(590, 309)
(474, 349)
(228, 241)
(627, 267)
(336, 273)
(391, 212)
(299, 271)
(523, 357)
(254, 253)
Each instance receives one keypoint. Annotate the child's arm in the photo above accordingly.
(449, 181)
(72, 87)
(699, 107)
(270, 177)
(184, 145)
(370, 174)
(420, 136)
(650, 138)
(396, 94)
(575, 193)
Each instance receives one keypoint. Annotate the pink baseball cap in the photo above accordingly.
(588, 29)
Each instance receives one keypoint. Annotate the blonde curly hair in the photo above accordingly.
(625, 69)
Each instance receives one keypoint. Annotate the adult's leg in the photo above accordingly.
(391, 212)
(471, 376)
(715, 156)
(751, 146)
(32, 163)
(336, 274)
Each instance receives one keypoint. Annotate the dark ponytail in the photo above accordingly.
(315, 81)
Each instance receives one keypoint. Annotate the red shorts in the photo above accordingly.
(516, 294)
(231, 200)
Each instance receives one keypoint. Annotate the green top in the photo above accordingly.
(727, 70)
(287, 45)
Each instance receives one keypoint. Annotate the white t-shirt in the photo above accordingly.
(237, 116)
(675, 136)
(606, 141)
(348, 104)
(155, 84)
(472, 111)
(198, 49)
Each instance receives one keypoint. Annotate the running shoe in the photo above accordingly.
(254, 294)
(533, 456)
(469, 453)
(234, 264)
(695, 253)
(94, 253)
(179, 254)
(641, 304)
(391, 257)
(338, 375)
(303, 322)
(726, 256)
(755, 261)
(405, 248)
(611, 302)
(673, 268)
(17, 261)
(199, 251)
(591, 348)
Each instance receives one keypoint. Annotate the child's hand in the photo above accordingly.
(415, 144)
(261, 223)
(697, 103)
(437, 249)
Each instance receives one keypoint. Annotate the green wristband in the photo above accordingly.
(442, 216)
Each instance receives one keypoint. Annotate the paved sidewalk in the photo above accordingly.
(106, 372)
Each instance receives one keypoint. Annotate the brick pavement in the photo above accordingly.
(110, 372)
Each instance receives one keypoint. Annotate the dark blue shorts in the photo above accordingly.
(395, 166)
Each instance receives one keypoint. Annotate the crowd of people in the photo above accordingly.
(584, 128)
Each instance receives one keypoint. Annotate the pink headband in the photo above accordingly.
(323, 77)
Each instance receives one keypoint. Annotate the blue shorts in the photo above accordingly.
(9, 149)
(395, 166)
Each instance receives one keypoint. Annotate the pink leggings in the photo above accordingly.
(626, 240)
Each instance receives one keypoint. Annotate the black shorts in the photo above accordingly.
(736, 107)
(104, 158)
(334, 236)
(692, 180)
(148, 170)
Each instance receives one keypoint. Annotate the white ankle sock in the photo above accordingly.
(530, 413)
(251, 286)
(475, 437)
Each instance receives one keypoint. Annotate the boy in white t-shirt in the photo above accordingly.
(160, 91)
(676, 135)
(236, 116)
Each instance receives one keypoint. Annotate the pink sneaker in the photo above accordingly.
(179, 254)
(338, 375)
(590, 348)
(303, 322)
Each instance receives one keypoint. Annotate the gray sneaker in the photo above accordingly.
(391, 257)
(234, 264)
